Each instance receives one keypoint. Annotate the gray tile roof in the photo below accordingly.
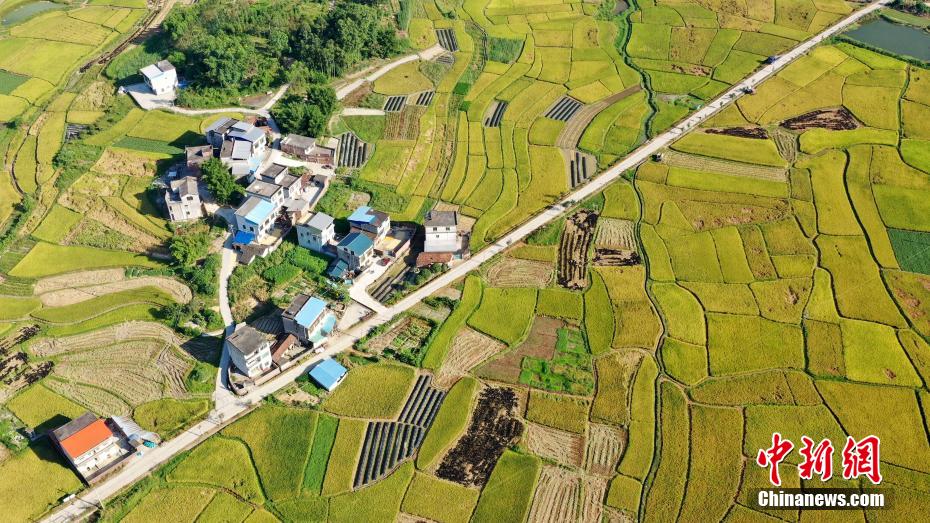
(247, 339)
(441, 219)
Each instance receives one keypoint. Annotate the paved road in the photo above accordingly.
(426, 54)
(225, 413)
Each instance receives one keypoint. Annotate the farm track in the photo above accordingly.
(707, 164)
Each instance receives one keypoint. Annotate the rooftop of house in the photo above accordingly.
(281, 346)
(296, 140)
(263, 188)
(328, 373)
(221, 125)
(247, 339)
(241, 149)
(356, 243)
(198, 154)
(441, 219)
(157, 69)
(320, 222)
(183, 187)
(82, 434)
(246, 132)
(337, 269)
(425, 259)
(274, 170)
(255, 210)
(288, 180)
(305, 310)
(367, 215)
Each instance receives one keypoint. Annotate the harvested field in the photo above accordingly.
(755, 133)
(615, 258)
(787, 144)
(613, 232)
(494, 426)
(98, 400)
(78, 279)
(556, 497)
(834, 119)
(715, 165)
(593, 491)
(137, 371)
(114, 334)
(605, 446)
(573, 251)
(469, 349)
(178, 291)
(122, 162)
(558, 445)
(540, 343)
(513, 272)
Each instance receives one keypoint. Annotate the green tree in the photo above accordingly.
(220, 181)
(188, 249)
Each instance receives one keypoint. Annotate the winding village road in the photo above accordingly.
(231, 408)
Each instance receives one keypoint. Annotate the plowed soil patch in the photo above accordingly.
(540, 343)
(513, 272)
(835, 119)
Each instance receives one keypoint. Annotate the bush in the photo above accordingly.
(308, 260)
(281, 274)
(221, 182)
(73, 160)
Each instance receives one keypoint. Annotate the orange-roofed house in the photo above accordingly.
(90, 444)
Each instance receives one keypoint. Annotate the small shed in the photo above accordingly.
(328, 373)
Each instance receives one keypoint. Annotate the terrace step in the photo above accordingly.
(447, 39)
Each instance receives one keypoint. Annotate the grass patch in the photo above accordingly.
(323, 439)
(340, 471)
(403, 79)
(449, 424)
(506, 497)
(46, 259)
(57, 224)
(356, 397)
(167, 417)
(516, 304)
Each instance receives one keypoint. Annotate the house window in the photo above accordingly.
(437, 236)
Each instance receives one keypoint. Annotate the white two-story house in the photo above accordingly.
(161, 77)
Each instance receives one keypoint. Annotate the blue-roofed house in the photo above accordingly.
(372, 223)
(328, 373)
(256, 216)
(309, 318)
(357, 251)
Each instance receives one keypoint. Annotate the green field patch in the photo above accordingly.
(323, 438)
(439, 500)
(162, 126)
(684, 317)
(568, 370)
(558, 411)
(686, 362)
(874, 355)
(96, 306)
(624, 493)
(449, 424)
(356, 397)
(403, 79)
(439, 345)
(168, 416)
(516, 304)
(867, 409)
(903, 208)
(911, 248)
(773, 387)
(160, 150)
(182, 503)
(915, 118)
(9, 81)
(762, 152)
(650, 41)
(743, 343)
(340, 471)
(507, 495)
(637, 457)
(713, 475)
(42, 409)
(560, 303)
(874, 106)
(222, 462)
(59, 26)
(917, 154)
(815, 422)
(46, 259)
(12, 308)
(816, 140)
(380, 501)
(736, 66)
(860, 293)
(279, 440)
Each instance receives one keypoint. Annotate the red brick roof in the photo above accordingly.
(85, 439)
(425, 259)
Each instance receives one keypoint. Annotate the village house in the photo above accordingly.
(269, 192)
(241, 145)
(249, 350)
(441, 232)
(255, 217)
(183, 200)
(280, 175)
(328, 374)
(196, 156)
(90, 444)
(372, 223)
(308, 149)
(309, 319)
(357, 251)
(317, 233)
(161, 77)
